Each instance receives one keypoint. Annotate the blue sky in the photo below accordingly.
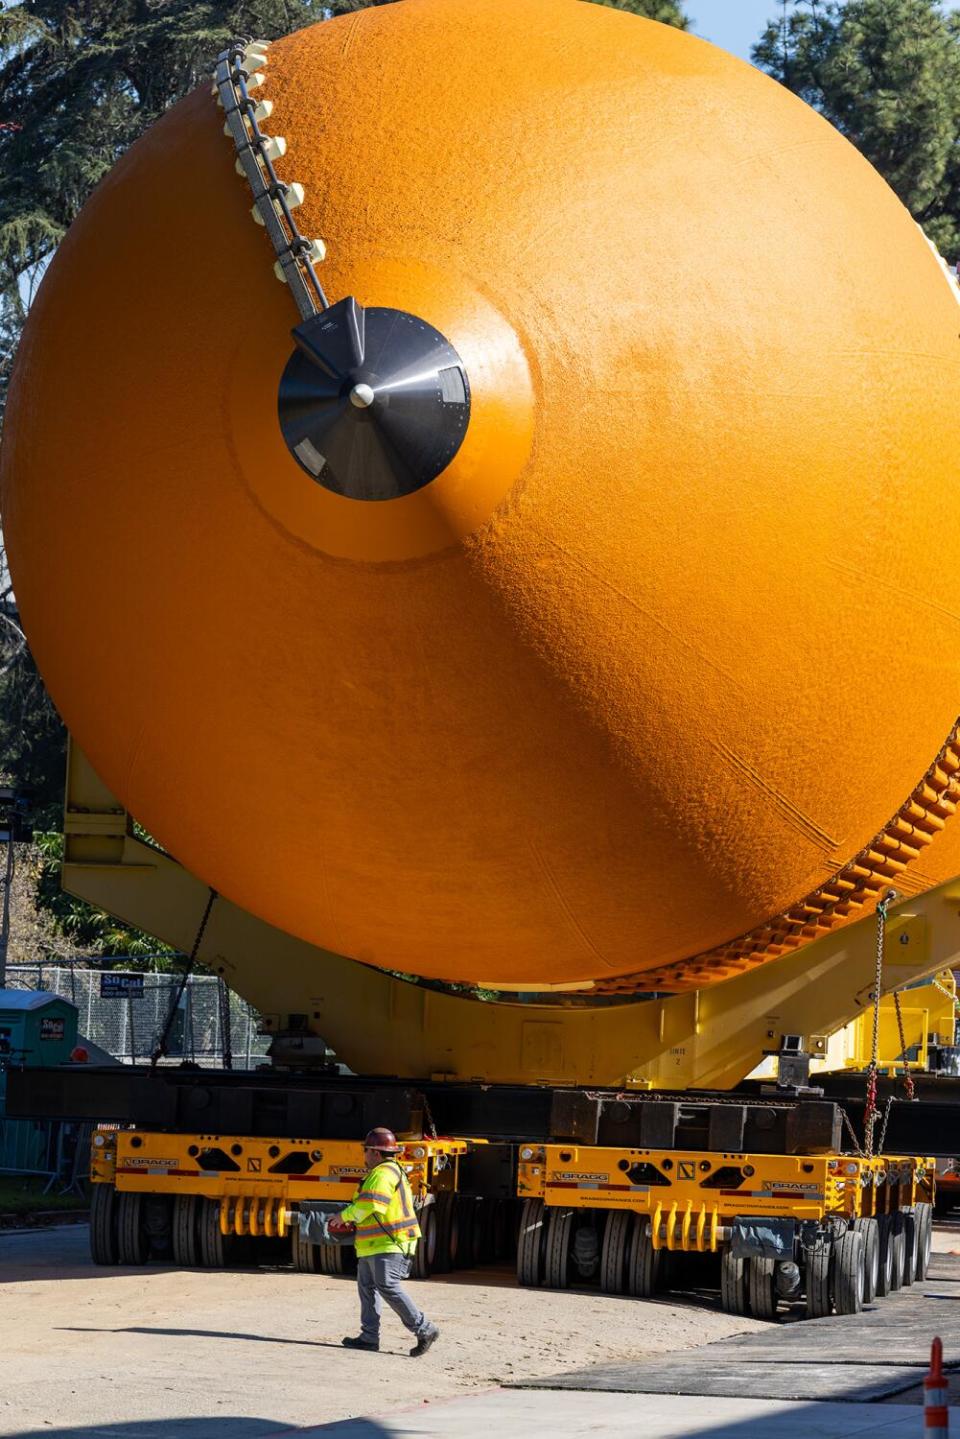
(737, 24)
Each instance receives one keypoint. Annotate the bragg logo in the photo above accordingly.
(580, 1178)
(347, 1171)
(145, 1162)
(789, 1184)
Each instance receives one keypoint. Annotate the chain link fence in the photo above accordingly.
(211, 1025)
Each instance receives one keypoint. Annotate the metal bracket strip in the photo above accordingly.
(237, 73)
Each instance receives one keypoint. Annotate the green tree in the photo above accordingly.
(668, 12)
(886, 73)
(79, 81)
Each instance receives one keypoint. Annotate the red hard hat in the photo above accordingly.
(383, 1139)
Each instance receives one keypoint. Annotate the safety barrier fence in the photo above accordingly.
(124, 1011)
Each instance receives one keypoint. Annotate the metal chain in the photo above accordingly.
(429, 1118)
(870, 1107)
(907, 1076)
(226, 1033)
(848, 1125)
(238, 69)
(883, 1127)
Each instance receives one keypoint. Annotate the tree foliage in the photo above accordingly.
(80, 80)
(887, 74)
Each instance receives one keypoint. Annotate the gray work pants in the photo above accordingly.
(378, 1277)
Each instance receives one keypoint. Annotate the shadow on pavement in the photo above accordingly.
(201, 1427)
(207, 1334)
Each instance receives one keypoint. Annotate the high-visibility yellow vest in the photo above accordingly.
(382, 1209)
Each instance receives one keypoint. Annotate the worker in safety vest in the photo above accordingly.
(382, 1219)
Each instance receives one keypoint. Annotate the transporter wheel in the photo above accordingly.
(216, 1249)
(644, 1272)
(885, 1283)
(426, 1252)
(158, 1225)
(306, 1260)
(897, 1244)
(911, 1235)
(335, 1259)
(442, 1255)
(463, 1214)
(133, 1245)
(532, 1242)
(818, 1279)
(761, 1283)
(924, 1215)
(485, 1249)
(848, 1272)
(559, 1241)
(733, 1282)
(104, 1247)
(615, 1253)
(185, 1230)
(869, 1230)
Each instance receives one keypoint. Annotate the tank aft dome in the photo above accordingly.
(561, 594)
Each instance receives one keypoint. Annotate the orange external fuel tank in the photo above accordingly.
(653, 670)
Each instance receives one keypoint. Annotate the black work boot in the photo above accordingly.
(424, 1339)
(360, 1343)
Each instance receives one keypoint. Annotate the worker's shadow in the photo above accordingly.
(208, 1426)
(210, 1334)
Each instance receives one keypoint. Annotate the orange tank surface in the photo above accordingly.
(659, 673)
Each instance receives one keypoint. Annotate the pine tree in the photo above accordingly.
(887, 74)
(79, 81)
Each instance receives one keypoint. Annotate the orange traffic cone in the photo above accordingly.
(936, 1420)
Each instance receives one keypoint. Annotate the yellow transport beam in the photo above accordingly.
(378, 1023)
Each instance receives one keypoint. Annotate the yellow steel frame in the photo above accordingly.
(688, 1211)
(380, 1024)
(142, 1161)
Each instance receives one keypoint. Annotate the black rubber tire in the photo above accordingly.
(870, 1231)
(885, 1283)
(531, 1243)
(817, 1279)
(426, 1252)
(185, 1233)
(104, 1246)
(133, 1246)
(442, 1257)
(848, 1272)
(559, 1241)
(463, 1215)
(214, 1246)
(924, 1215)
(304, 1255)
(761, 1284)
(733, 1282)
(470, 1220)
(335, 1259)
(644, 1262)
(896, 1241)
(910, 1237)
(615, 1252)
